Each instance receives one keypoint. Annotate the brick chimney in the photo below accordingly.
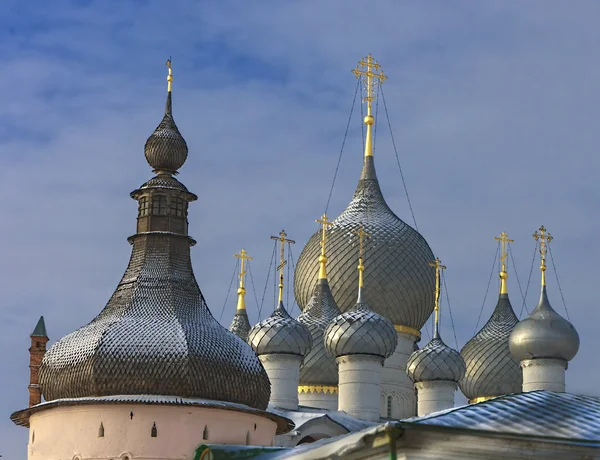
(39, 339)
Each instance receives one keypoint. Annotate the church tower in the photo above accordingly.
(491, 369)
(39, 339)
(151, 375)
(319, 372)
(544, 342)
(401, 285)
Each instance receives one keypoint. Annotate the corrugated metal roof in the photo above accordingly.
(536, 413)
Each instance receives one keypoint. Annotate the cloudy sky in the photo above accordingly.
(494, 108)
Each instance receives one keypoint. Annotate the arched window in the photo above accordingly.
(143, 207)
(389, 406)
(159, 205)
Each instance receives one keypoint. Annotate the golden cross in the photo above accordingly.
(241, 305)
(170, 76)
(243, 255)
(503, 238)
(361, 268)
(372, 74)
(325, 222)
(323, 258)
(361, 235)
(438, 267)
(543, 236)
(282, 238)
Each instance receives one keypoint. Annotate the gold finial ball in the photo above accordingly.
(241, 290)
(503, 275)
(369, 120)
(322, 259)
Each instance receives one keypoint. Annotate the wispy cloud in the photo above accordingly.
(494, 109)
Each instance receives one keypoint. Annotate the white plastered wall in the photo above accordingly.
(63, 433)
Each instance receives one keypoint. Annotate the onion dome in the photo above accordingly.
(156, 335)
(319, 367)
(401, 286)
(280, 334)
(544, 334)
(240, 325)
(436, 360)
(166, 149)
(361, 331)
(491, 369)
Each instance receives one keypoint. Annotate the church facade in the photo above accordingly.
(150, 377)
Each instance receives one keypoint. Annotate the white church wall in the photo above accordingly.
(129, 432)
(284, 373)
(360, 386)
(395, 382)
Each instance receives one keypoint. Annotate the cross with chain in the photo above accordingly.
(543, 236)
(282, 262)
(438, 268)
(372, 74)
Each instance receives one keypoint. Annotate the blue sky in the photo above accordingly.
(494, 106)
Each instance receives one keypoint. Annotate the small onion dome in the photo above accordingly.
(544, 334)
(240, 325)
(280, 334)
(491, 369)
(361, 331)
(401, 284)
(319, 367)
(166, 149)
(435, 361)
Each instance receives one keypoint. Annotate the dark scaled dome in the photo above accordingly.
(166, 149)
(280, 334)
(491, 369)
(156, 335)
(319, 367)
(544, 334)
(401, 285)
(435, 361)
(361, 331)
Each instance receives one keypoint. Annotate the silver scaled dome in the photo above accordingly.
(280, 334)
(435, 361)
(491, 369)
(401, 285)
(166, 149)
(156, 335)
(240, 325)
(544, 334)
(361, 331)
(319, 367)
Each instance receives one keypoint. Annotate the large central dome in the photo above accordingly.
(401, 282)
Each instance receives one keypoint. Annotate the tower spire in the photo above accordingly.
(438, 268)
(372, 75)
(170, 76)
(503, 238)
(361, 268)
(543, 236)
(282, 262)
(323, 258)
(243, 256)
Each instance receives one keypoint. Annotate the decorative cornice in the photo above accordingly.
(433, 384)
(544, 362)
(280, 357)
(481, 399)
(407, 330)
(331, 389)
